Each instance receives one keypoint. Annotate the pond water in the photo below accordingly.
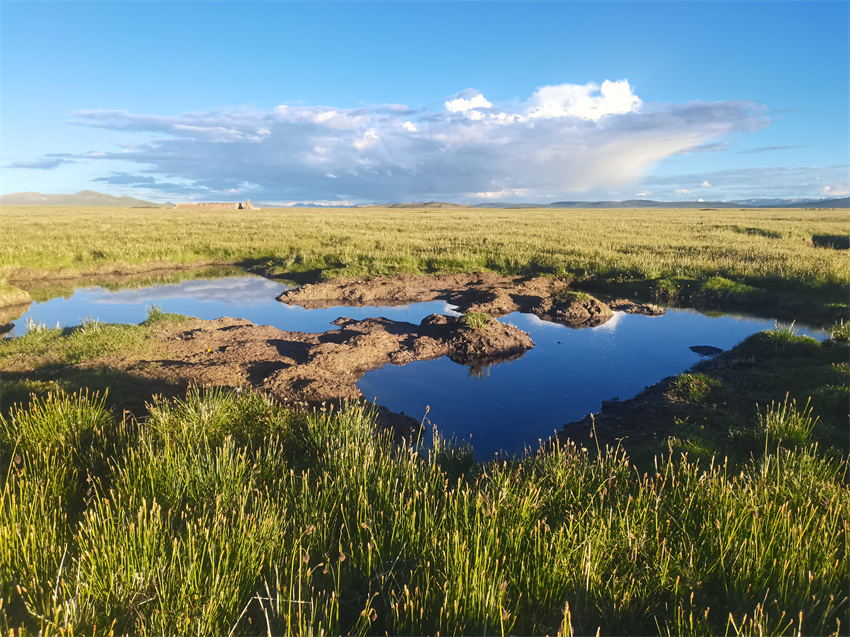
(248, 297)
(505, 407)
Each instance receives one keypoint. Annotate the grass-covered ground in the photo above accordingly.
(717, 257)
(226, 514)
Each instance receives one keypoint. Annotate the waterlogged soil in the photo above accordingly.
(30, 279)
(495, 295)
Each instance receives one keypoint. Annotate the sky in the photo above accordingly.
(347, 102)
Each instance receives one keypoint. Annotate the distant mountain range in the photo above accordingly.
(82, 198)
(843, 202)
(92, 198)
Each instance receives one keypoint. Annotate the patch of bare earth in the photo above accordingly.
(485, 292)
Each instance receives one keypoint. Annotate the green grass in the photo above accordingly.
(697, 388)
(477, 320)
(88, 340)
(227, 514)
(624, 250)
(772, 371)
(840, 331)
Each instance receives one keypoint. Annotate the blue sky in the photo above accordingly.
(357, 102)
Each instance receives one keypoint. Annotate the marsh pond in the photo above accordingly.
(514, 375)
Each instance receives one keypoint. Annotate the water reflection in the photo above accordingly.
(249, 297)
(567, 375)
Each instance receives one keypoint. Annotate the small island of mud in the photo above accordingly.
(496, 295)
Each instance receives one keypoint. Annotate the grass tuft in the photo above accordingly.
(696, 387)
(477, 320)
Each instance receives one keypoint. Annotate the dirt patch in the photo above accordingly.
(309, 369)
(496, 295)
(646, 309)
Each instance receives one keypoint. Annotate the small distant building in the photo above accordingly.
(225, 205)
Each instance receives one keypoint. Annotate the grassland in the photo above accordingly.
(748, 256)
(225, 514)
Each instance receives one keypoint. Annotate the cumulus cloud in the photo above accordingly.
(705, 184)
(461, 104)
(682, 191)
(563, 139)
(574, 100)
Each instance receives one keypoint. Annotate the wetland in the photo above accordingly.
(217, 452)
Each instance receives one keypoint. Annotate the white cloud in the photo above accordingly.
(505, 193)
(782, 182)
(460, 105)
(563, 140)
(701, 200)
(369, 139)
(644, 193)
(682, 191)
(835, 191)
(705, 184)
(575, 100)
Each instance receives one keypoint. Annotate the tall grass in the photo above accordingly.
(616, 245)
(228, 514)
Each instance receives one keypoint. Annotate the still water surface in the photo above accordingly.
(505, 407)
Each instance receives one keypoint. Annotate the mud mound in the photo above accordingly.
(333, 366)
(575, 310)
(493, 294)
(492, 343)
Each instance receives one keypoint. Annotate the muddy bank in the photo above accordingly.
(496, 295)
(298, 367)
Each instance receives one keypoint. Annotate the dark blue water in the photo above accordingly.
(505, 407)
(565, 377)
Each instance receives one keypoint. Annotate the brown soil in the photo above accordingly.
(302, 368)
(487, 293)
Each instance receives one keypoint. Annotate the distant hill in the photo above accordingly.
(843, 202)
(430, 204)
(648, 203)
(82, 198)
